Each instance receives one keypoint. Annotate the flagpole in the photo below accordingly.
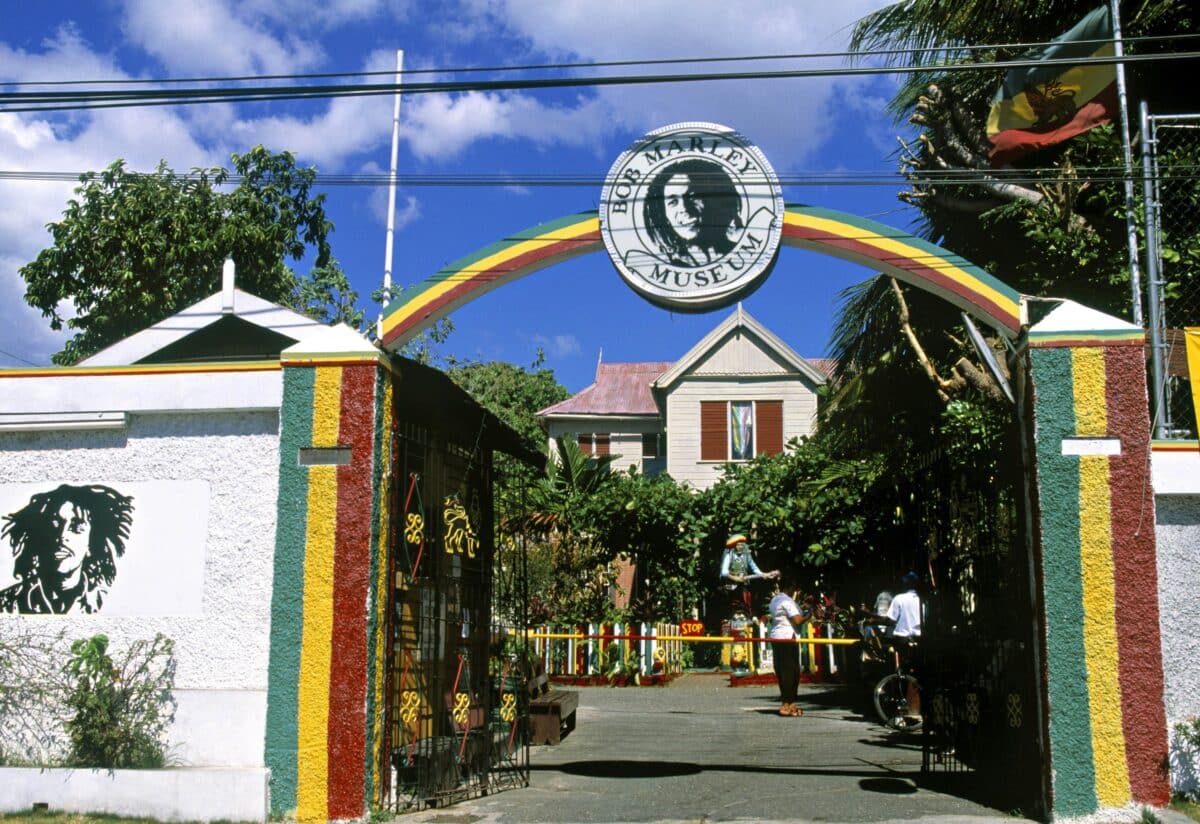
(1135, 275)
(391, 217)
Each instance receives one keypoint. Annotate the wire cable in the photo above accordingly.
(932, 177)
(599, 64)
(73, 101)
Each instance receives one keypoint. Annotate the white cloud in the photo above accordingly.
(789, 118)
(89, 141)
(558, 346)
(215, 36)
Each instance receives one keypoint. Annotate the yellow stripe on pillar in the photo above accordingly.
(1099, 587)
(312, 796)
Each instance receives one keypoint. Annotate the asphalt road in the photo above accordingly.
(702, 751)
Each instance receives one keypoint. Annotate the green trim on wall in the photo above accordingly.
(287, 593)
(1071, 754)
(379, 490)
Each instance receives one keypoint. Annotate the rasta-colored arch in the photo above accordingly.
(872, 244)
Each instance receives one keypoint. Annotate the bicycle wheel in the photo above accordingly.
(891, 701)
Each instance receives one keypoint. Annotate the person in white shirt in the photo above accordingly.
(905, 613)
(786, 618)
(905, 609)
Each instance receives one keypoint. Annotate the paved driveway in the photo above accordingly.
(702, 751)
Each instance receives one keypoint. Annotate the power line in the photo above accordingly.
(939, 177)
(74, 101)
(598, 64)
(18, 358)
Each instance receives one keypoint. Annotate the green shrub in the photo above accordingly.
(121, 709)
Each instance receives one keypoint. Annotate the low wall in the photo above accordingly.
(182, 794)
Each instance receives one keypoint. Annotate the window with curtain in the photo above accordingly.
(739, 430)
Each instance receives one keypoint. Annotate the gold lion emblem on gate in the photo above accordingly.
(460, 535)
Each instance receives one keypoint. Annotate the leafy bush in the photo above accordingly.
(121, 709)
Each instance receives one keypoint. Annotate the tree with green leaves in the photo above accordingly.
(1054, 222)
(132, 249)
(511, 393)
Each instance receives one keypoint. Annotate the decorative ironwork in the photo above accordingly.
(1013, 703)
(414, 529)
(457, 719)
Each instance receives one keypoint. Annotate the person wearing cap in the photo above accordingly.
(738, 567)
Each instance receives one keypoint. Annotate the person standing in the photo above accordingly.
(786, 618)
(905, 613)
(905, 609)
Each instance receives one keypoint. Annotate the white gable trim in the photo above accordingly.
(246, 306)
(740, 319)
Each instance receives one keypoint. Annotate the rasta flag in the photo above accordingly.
(1040, 106)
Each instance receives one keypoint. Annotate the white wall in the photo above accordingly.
(1178, 540)
(625, 440)
(683, 418)
(221, 649)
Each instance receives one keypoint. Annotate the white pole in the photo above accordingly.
(391, 218)
(1135, 275)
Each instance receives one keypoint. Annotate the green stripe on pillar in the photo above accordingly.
(378, 593)
(287, 590)
(1071, 756)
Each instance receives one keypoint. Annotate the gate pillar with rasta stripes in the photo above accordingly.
(1103, 691)
(324, 730)
(1103, 736)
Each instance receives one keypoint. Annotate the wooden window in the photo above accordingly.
(768, 420)
(651, 446)
(601, 442)
(585, 443)
(714, 440)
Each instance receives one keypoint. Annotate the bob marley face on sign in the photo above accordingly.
(65, 544)
(692, 212)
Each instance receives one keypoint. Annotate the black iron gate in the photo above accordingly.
(457, 706)
(978, 667)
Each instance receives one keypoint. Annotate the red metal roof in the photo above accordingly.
(825, 366)
(619, 389)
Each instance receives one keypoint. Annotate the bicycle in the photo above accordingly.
(892, 692)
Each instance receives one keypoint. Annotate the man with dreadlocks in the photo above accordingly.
(65, 544)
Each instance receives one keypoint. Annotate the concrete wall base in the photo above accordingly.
(177, 794)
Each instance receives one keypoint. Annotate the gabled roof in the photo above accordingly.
(251, 327)
(619, 389)
(739, 321)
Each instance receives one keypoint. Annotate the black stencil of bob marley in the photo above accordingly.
(691, 212)
(65, 544)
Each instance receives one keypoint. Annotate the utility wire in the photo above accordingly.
(602, 64)
(938, 177)
(74, 101)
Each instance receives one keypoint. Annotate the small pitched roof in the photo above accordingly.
(619, 389)
(740, 320)
(264, 329)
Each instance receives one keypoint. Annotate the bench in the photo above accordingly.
(550, 710)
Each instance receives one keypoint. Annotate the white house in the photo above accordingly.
(738, 393)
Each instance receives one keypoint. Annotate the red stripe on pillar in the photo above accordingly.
(1139, 645)
(351, 569)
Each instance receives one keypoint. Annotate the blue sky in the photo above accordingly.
(572, 311)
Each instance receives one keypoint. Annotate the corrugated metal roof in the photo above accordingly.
(825, 366)
(619, 389)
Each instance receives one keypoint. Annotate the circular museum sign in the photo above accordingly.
(691, 215)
